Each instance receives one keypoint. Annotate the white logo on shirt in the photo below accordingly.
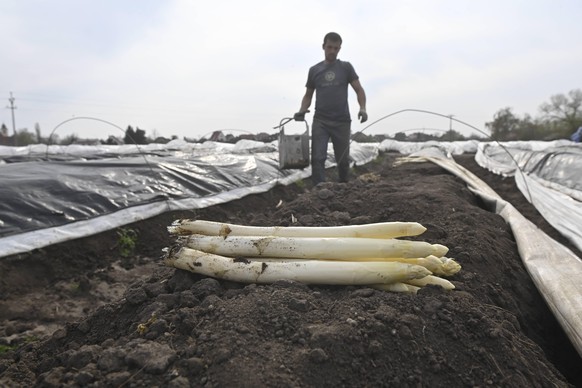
(329, 76)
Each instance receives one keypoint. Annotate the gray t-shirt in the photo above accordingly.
(330, 82)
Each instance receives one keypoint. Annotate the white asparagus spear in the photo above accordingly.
(326, 248)
(392, 287)
(449, 267)
(430, 279)
(396, 287)
(375, 230)
(437, 265)
(307, 271)
(443, 266)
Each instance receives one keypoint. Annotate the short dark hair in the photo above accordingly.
(333, 36)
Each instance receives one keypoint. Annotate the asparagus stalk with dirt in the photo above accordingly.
(320, 248)
(305, 271)
(374, 230)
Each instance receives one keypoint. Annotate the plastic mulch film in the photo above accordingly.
(67, 193)
(549, 175)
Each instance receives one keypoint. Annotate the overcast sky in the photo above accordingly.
(190, 67)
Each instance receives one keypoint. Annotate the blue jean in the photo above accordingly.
(321, 133)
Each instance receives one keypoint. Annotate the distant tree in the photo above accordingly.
(69, 139)
(135, 137)
(361, 137)
(504, 125)
(564, 112)
(400, 136)
(531, 129)
(421, 136)
(112, 140)
(379, 138)
(129, 135)
(4, 130)
(476, 136)
(54, 139)
(452, 135)
(140, 136)
(24, 138)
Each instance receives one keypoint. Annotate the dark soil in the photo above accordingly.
(81, 314)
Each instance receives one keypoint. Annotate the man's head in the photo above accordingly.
(332, 44)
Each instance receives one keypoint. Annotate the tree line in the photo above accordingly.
(558, 119)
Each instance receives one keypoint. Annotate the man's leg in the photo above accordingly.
(319, 140)
(340, 136)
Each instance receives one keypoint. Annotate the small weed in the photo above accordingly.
(127, 239)
(6, 349)
(26, 340)
(143, 328)
(300, 183)
(31, 338)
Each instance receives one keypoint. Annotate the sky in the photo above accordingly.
(187, 68)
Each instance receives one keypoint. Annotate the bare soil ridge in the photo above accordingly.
(71, 313)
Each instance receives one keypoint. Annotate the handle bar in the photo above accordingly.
(285, 120)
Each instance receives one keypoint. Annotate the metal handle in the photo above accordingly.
(285, 120)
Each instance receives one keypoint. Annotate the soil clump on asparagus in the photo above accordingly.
(81, 314)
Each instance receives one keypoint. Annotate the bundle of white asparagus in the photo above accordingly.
(369, 254)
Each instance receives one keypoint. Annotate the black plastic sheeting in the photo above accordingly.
(48, 191)
(37, 195)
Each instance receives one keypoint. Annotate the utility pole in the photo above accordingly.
(12, 107)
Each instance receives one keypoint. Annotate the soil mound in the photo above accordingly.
(83, 314)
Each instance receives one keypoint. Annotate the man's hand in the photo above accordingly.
(299, 116)
(363, 116)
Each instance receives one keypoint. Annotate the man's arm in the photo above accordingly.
(305, 103)
(306, 100)
(361, 94)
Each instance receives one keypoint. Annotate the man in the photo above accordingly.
(329, 80)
